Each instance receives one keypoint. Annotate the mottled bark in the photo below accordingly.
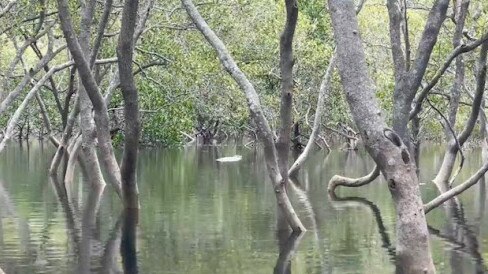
(383, 144)
(445, 196)
(86, 122)
(73, 156)
(264, 131)
(125, 51)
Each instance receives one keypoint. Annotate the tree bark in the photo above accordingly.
(338, 180)
(286, 68)
(445, 171)
(125, 51)
(383, 144)
(407, 83)
(87, 125)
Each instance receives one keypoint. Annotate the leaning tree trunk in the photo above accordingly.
(264, 131)
(383, 144)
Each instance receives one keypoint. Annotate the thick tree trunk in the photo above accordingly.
(383, 144)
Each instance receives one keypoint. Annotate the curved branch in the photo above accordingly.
(89, 83)
(451, 130)
(338, 180)
(15, 117)
(463, 48)
(439, 200)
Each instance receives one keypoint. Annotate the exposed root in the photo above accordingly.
(338, 180)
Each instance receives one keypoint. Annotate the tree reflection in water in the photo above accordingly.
(462, 236)
(340, 202)
(128, 242)
(94, 256)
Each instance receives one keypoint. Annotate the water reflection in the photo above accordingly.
(199, 216)
(92, 255)
(128, 242)
(339, 202)
(460, 235)
(287, 248)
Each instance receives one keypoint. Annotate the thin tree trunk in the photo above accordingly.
(264, 131)
(323, 95)
(445, 171)
(125, 51)
(101, 115)
(286, 68)
(47, 121)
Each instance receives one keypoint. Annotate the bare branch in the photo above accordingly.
(439, 200)
(338, 180)
(463, 48)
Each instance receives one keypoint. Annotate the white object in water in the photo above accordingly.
(234, 158)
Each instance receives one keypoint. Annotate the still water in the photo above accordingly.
(202, 216)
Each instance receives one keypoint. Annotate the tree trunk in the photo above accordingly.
(100, 109)
(87, 125)
(264, 131)
(125, 50)
(383, 144)
(286, 68)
